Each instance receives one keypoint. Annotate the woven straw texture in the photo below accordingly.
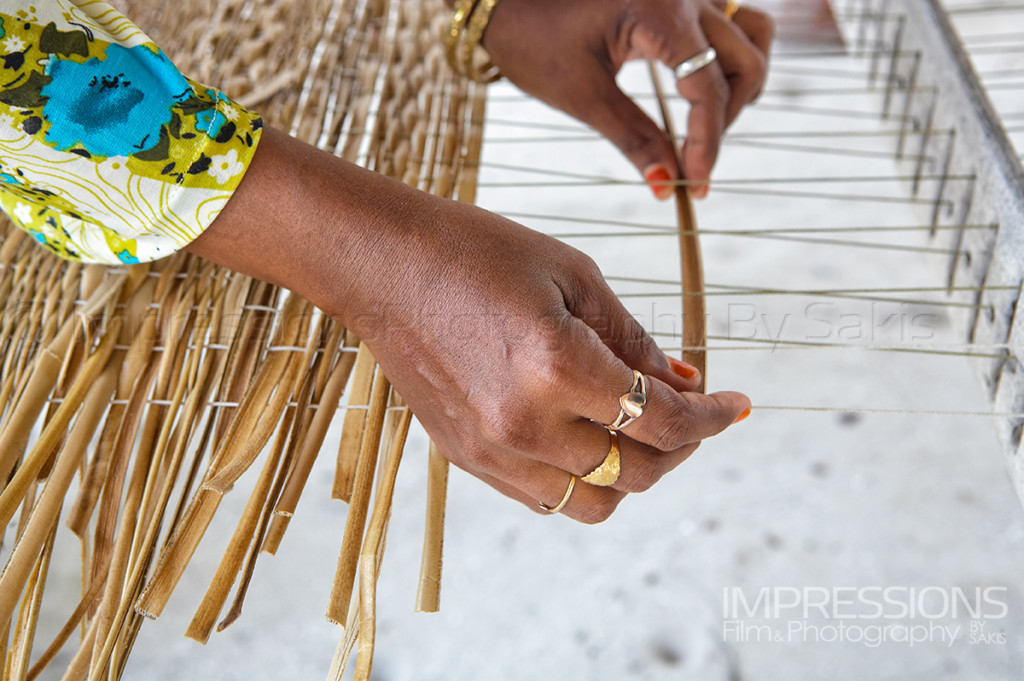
(132, 399)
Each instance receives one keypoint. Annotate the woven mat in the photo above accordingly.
(133, 398)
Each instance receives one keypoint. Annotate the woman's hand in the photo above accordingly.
(507, 344)
(567, 53)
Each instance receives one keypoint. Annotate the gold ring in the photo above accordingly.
(565, 499)
(731, 8)
(607, 473)
(631, 404)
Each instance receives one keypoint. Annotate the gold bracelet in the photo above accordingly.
(485, 72)
(463, 8)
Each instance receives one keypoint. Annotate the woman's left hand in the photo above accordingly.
(568, 52)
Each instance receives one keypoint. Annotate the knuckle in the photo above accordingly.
(516, 419)
(587, 267)
(598, 511)
(676, 431)
(761, 24)
(508, 424)
(642, 475)
(631, 145)
(643, 343)
(478, 457)
(633, 141)
(551, 371)
(752, 69)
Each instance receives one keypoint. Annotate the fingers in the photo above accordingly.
(758, 27)
(529, 454)
(599, 308)
(671, 420)
(532, 483)
(717, 92)
(672, 417)
(570, 435)
(641, 466)
(708, 93)
(640, 139)
(742, 62)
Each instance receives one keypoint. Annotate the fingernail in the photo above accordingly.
(659, 180)
(681, 368)
(699, 191)
(743, 415)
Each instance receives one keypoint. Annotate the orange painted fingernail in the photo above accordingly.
(680, 368)
(744, 414)
(659, 180)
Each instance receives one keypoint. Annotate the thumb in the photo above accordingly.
(718, 410)
(640, 139)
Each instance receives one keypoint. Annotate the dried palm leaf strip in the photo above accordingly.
(162, 471)
(44, 515)
(219, 589)
(132, 363)
(55, 490)
(62, 637)
(355, 522)
(108, 615)
(16, 664)
(30, 402)
(428, 594)
(248, 433)
(352, 431)
(26, 475)
(140, 382)
(373, 548)
(259, 536)
(142, 554)
(690, 259)
(243, 538)
(359, 624)
(313, 439)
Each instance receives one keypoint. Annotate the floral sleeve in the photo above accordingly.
(107, 153)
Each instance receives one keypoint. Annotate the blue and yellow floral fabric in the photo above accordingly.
(107, 153)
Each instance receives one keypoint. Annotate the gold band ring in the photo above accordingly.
(565, 499)
(631, 404)
(607, 473)
(731, 8)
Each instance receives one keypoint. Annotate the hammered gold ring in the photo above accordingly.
(631, 404)
(607, 473)
(565, 499)
(731, 8)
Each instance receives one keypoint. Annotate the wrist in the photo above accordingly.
(310, 222)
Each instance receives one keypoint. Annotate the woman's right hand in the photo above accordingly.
(568, 52)
(507, 344)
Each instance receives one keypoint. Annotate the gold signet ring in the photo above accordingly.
(607, 473)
